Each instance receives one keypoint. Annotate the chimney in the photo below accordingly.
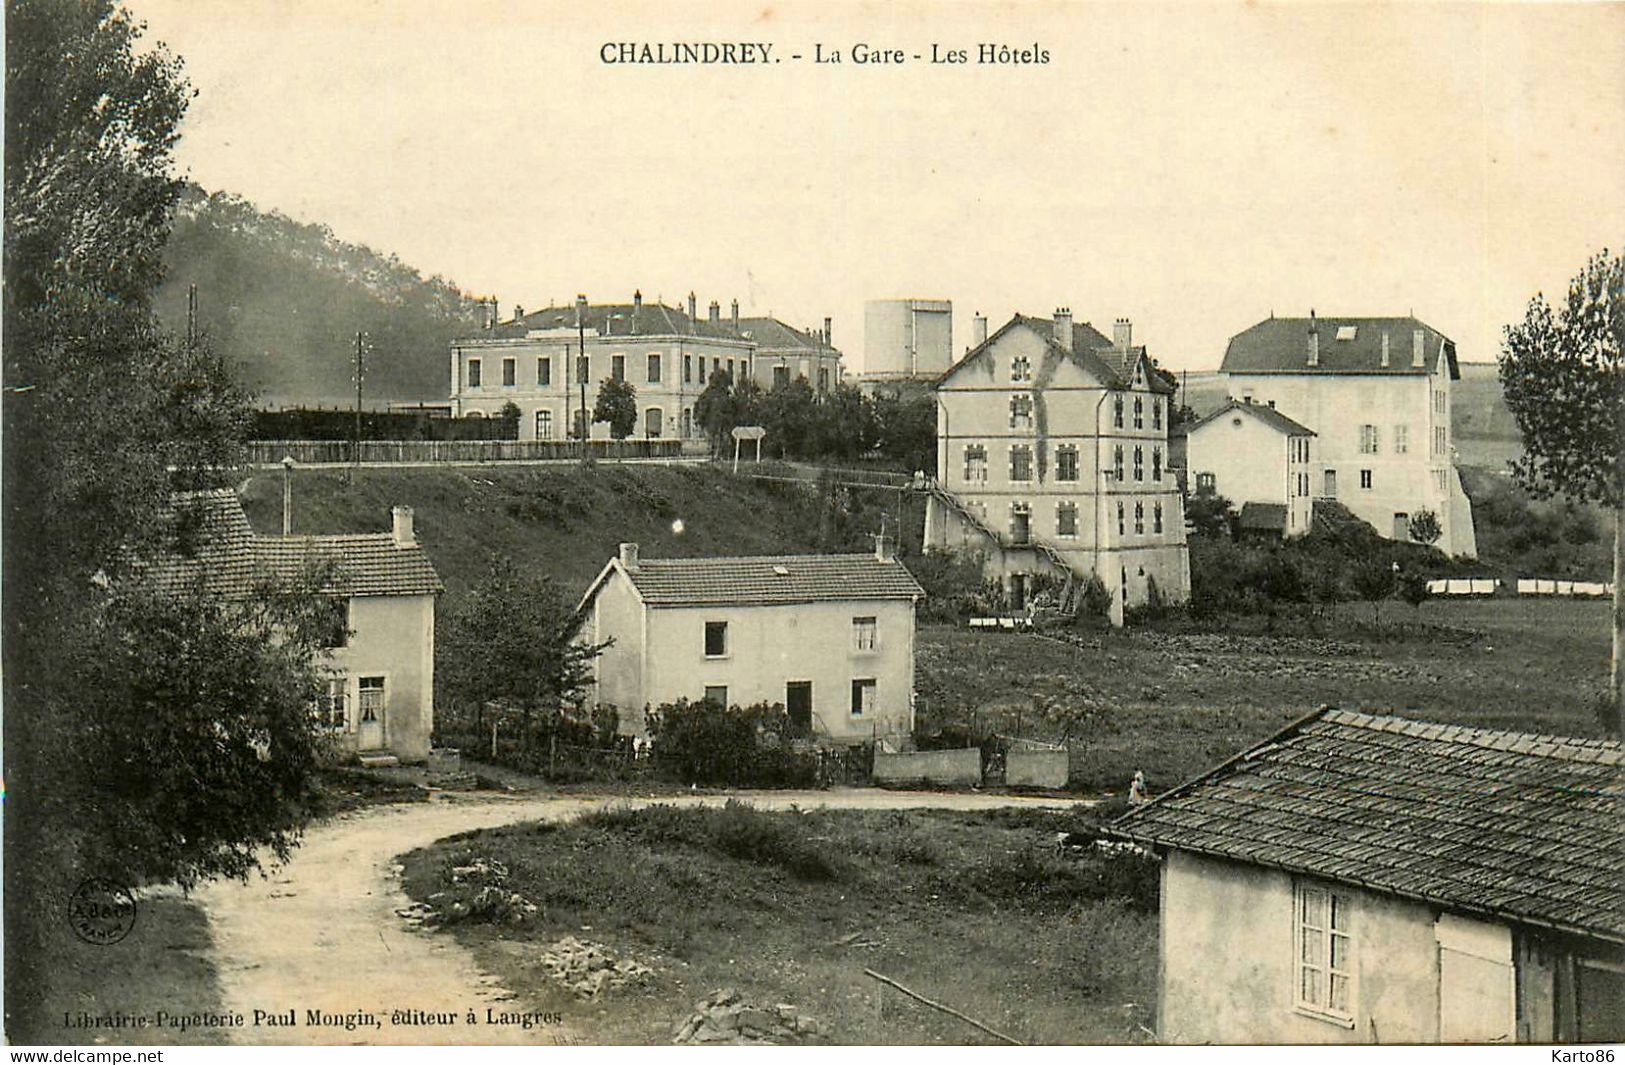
(629, 557)
(736, 316)
(1314, 339)
(885, 549)
(1122, 334)
(827, 342)
(1385, 350)
(716, 312)
(489, 307)
(581, 309)
(978, 330)
(1063, 327)
(404, 536)
(1418, 348)
(692, 306)
(637, 300)
(518, 311)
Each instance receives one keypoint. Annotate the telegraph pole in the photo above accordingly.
(581, 367)
(360, 369)
(191, 318)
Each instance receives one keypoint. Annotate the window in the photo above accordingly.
(1021, 463)
(544, 371)
(1021, 522)
(1206, 484)
(1021, 369)
(510, 372)
(544, 425)
(1440, 483)
(1303, 484)
(1117, 463)
(863, 697)
(781, 377)
(717, 695)
(1021, 411)
(863, 634)
(654, 369)
(473, 373)
(1156, 412)
(1347, 332)
(716, 639)
(1119, 519)
(330, 705)
(583, 368)
(1156, 518)
(1066, 520)
(617, 367)
(654, 421)
(1440, 441)
(372, 699)
(580, 424)
(1368, 439)
(1156, 464)
(1139, 464)
(823, 379)
(975, 464)
(1139, 519)
(1066, 462)
(1117, 412)
(688, 422)
(1324, 966)
(1402, 439)
(1365, 479)
(1139, 413)
(730, 369)
(688, 369)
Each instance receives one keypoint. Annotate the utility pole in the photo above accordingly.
(191, 318)
(581, 367)
(360, 370)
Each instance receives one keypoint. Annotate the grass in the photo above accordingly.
(1175, 704)
(971, 909)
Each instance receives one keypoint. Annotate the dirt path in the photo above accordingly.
(321, 933)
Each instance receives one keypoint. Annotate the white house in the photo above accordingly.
(382, 586)
(1376, 391)
(1052, 457)
(1364, 879)
(1252, 453)
(831, 637)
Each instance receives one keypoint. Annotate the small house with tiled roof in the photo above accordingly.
(382, 587)
(830, 637)
(1260, 460)
(1052, 459)
(785, 354)
(1363, 879)
(1377, 393)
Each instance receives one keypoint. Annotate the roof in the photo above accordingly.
(767, 580)
(1264, 413)
(613, 319)
(1281, 345)
(1090, 350)
(1523, 827)
(1266, 516)
(220, 554)
(770, 334)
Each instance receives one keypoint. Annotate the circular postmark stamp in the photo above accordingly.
(101, 911)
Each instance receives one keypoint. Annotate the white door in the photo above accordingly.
(370, 714)
(1477, 1001)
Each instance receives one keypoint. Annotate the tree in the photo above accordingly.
(715, 410)
(1425, 527)
(512, 640)
(1413, 588)
(908, 431)
(1564, 381)
(1374, 581)
(617, 404)
(1211, 515)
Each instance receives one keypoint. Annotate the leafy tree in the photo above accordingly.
(847, 428)
(715, 411)
(617, 404)
(1425, 527)
(1211, 515)
(908, 431)
(1563, 375)
(512, 640)
(1413, 588)
(790, 420)
(1375, 581)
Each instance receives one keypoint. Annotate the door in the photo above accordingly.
(1331, 485)
(1477, 989)
(1022, 521)
(798, 703)
(370, 714)
(1402, 526)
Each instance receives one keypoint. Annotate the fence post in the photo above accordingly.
(493, 739)
(552, 753)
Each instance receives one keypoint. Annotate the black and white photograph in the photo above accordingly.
(795, 524)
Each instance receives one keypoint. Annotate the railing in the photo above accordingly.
(343, 452)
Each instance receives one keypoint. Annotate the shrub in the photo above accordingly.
(1096, 601)
(702, 743)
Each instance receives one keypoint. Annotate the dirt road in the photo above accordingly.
(321, 936)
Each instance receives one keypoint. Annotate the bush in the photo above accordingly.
(702, 743)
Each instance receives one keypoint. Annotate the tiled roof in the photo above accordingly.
(1090, 349)
(1524, 827)
(1281, 345)
(614, 319)
(1267, 516)
(220, 554)
(1264, 413)
(771, 579)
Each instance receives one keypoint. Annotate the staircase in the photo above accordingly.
(1072, 587)
(377, 759)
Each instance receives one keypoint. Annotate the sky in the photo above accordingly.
(1193, 166)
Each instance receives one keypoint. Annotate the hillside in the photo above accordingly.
(283, 301)
(566, 521)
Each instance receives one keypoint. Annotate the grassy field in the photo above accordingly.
(974, 910)
(1174, 704)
